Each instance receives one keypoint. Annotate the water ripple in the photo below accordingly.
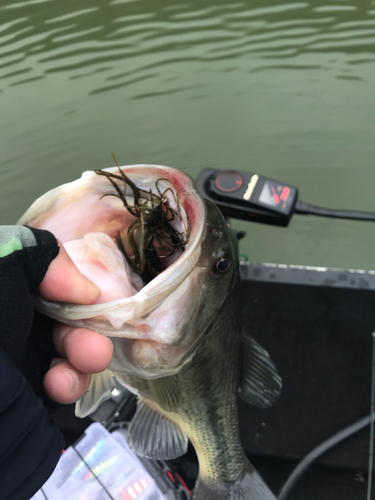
(281, 87)
(335, 8)
(128, 34)
(65, 17)
(22, 5)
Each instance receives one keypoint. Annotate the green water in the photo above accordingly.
(283, 89)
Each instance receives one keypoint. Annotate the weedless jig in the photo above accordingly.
(152, 225)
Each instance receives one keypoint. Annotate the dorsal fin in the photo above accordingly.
(260, 383)
(152, 435)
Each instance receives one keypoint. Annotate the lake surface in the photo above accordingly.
(286, 90)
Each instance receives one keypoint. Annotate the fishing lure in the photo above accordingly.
(151, 235)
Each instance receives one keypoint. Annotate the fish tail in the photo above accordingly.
(251, 487)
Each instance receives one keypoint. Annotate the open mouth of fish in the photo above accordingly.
(136, 232)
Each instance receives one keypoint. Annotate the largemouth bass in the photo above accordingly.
(177, 332)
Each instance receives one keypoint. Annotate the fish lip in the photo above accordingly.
(162, 285)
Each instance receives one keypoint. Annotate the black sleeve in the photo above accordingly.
(30, 445)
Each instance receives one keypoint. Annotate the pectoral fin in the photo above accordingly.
(99, 390)
(152, 435)
(260, 384)
(166, 392)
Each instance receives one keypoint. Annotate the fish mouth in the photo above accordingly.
(159, 227)
(172, 253)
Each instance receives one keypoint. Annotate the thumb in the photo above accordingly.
(64, 283)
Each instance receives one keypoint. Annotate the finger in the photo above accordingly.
(63, 282)
(59, 331)
(86, 350)
(64, 384)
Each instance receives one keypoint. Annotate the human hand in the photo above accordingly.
(31, 262)
(83, 352)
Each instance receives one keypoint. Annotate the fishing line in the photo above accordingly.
(43, 493)
(371, 444)
(320, 450)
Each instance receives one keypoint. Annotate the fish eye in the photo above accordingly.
(221, 265)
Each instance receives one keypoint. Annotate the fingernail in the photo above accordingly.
(73, 377)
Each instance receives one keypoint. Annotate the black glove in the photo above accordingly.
(25, 336)
(30, 445)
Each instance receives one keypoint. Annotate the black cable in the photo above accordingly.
(320, 450)
(303, 208)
